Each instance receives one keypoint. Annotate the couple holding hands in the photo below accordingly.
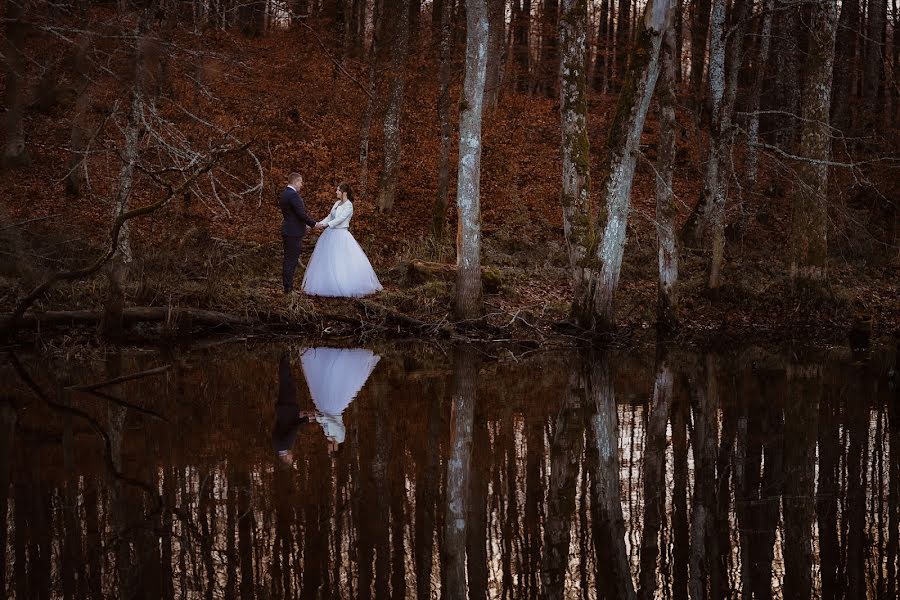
(338, 266)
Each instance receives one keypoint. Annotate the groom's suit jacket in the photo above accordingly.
(294, 212)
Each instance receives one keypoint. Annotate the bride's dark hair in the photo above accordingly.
(345, 187)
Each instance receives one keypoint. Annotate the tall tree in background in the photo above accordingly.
(439, 211)
(874, 65)
(787, 72)
(549, 62)
(809, 224)
(496, 46)
(762, 59)
(377, 10)
(601, 77)
(667, 293)
(387, 185)
(521, 26)
(576, 159)
(14, 151)
(845, 58)
(595, 309)
(80, 133)
(623, 37)
(699, 28)
(468, 302)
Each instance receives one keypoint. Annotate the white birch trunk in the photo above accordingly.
(809, 225)
(597, 310)
(468, 195)
(387, 185)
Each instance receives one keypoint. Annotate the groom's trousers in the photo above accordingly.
(292, 246)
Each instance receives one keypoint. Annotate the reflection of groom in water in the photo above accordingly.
(288, 416)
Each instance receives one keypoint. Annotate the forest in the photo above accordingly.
(523, 169)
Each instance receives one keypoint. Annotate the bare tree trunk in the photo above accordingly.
(667, 294)
(700, 10)
(387, 185)
(79, 140)
(14, 151)
(600, 80)
(496, 38)
(439, 212)
(787, 61)
(377, 9)
(874, 65)
(762, 59)
(465, 372)
(595, 309)
(576, 159)
(521, 40)
(845, 51)
(468, 302)
(549, 59)
(809, 225)
(623, 37)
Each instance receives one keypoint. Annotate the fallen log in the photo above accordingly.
(421, 271)
(136, 314)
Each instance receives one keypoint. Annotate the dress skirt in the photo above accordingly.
(339, 267)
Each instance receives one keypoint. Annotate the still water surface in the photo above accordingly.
(399, 471)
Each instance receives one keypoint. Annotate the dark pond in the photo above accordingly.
(250, 471)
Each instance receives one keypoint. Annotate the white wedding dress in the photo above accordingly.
(335, 376)
(338, 266)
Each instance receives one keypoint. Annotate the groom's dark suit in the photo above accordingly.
(293, 228)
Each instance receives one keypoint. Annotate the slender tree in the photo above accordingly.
(667, 294)
(699, 27)
(387, 185)
(366, 125)
(874, 62)
(753, 105)
(439, 211)
(496, 41)
(600, 79)
(15, 152)
(595, 309)
(809, 223)
(468, 302)
(549, 61)
(847, 39)
(521, 26)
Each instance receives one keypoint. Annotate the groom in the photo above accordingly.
(293, 227)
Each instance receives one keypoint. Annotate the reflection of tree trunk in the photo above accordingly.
(826, 497)
(283, 541)
(893, 520)
(71, 563)
(613, 572)
(565, 460)
(476, 530)
(534, 501)
(93, 540)
(800, 415)
(703, 515)
(380, 527)
(231, 517)
(766, 423)
(655, 474)
(857, 410)
(246, 525)
(680, 534)
(465, 371)
(511, 525)
(397, 494)
(8, 420)
(117, 501)
(426, 484)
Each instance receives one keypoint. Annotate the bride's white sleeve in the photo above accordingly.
(341, 215)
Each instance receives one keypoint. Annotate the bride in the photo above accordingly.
(338, 266)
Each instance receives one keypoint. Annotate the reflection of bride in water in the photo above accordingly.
(335, 376)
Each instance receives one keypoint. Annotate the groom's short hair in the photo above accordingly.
(294, 177)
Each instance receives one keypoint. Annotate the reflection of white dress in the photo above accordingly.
(334, 377)
(338, 266)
